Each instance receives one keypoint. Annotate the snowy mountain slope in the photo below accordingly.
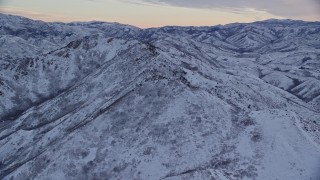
(109, 101)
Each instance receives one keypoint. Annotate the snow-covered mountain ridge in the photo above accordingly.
(99, 100)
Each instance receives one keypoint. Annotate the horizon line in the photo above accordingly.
(147, 27)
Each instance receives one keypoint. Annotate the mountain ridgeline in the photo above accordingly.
(97, 100)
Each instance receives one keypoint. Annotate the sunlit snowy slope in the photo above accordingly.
(99, 100)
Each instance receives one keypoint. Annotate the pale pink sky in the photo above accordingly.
(155, 13)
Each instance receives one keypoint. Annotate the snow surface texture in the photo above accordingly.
(102, 100)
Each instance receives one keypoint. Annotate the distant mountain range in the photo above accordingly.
(97, 100)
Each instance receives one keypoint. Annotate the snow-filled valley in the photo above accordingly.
(96, 100)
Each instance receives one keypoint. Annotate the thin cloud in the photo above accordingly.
(284, 8)
(138, 3)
